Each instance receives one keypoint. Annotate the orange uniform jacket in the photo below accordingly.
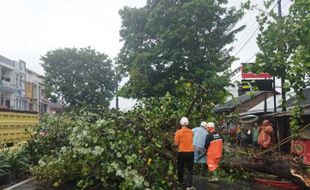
(184, 139)
(214, 146)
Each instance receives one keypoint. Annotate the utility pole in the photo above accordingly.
(116, 95)
(282, 79)
(265, 102)
(285, 125)
(116, 98)
(274, 94)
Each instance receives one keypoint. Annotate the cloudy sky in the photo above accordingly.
(30, 28)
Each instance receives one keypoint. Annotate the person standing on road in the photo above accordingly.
(214, 147)
(238, 132)
(184, 140)
(265, 133)
(200, 134)
(255, 134)
(243, 135)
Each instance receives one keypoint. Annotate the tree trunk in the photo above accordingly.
(283, 167)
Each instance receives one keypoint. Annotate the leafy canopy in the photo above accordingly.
(79, 76)
(284, 44)
(168, 40)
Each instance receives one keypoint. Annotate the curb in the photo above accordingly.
(20, 183)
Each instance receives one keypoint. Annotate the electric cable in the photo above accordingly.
(252, 35)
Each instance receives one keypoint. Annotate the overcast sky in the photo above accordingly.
(30, 28)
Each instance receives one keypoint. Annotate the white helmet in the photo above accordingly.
(184, 121)
(203, 124)
(210, 124)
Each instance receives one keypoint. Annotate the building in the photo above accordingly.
(23, 89)
(35, 92)
(246, 83)
(244, 103)
(12, 84)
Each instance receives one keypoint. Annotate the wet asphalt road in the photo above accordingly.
(201, 183)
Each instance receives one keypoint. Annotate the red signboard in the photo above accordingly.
(307, 153)
(251, 75)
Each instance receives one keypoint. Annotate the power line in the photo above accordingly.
(247, 41)
(256, 31)
(248, 29)
(251, 36)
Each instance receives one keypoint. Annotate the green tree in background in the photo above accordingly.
(166, 42)
(299, 23)
(273, 42)
(284, 43)
(79, 76)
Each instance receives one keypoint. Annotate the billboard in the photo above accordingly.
(255, 82)
(250, 75)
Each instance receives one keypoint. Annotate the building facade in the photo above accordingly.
(35, 92)
(12, 84)
(21, 88)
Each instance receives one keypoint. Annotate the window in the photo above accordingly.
(16, 103)
(16, 80)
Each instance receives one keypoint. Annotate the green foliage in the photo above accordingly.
(285, 50)
(14, 161)
(102, 148)
(284, 45)
(165, 41)
(232, 175)
(79, 76)
(299, 23)
(49, 137)
(272, 40)
(109, 148)
(4, 164)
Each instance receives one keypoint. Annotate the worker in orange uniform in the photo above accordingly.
(214, 147)
(265, 133)
(184, 140)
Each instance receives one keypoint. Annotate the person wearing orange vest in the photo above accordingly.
(184, 140)
(214, 147)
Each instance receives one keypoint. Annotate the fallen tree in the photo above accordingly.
(125, 150)
(283, 166)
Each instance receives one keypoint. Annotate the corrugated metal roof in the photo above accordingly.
(306, 111)
(236, 102)
(292, 101)
(270, 105)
